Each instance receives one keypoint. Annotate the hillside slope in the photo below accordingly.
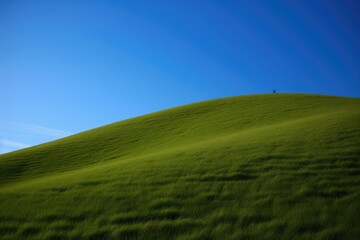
(282, 166)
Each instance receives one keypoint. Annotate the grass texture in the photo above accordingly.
(280, 166)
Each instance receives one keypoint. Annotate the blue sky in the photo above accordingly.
(68, 66)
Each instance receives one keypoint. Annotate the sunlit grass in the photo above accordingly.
(275, 166)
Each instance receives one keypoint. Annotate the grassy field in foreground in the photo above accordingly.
(280, 166)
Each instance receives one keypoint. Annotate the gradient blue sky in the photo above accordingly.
(68, 66)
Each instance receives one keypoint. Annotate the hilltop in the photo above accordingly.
(279, 166)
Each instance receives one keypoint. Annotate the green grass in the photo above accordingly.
(280, 166)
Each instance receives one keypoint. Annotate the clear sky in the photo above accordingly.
(67, 65)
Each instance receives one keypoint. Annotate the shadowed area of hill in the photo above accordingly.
(283, 166)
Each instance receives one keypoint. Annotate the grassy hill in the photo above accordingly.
(280, 166)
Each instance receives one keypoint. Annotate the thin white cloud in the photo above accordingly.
(35, 129)
(41, 130)
(12, 144)
(8, 146)
(16, 135)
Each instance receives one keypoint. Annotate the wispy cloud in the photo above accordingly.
(8, 146)
(16, 135)
(41, 130)
(12, 144)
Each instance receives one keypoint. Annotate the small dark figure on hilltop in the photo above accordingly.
(274, 90)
